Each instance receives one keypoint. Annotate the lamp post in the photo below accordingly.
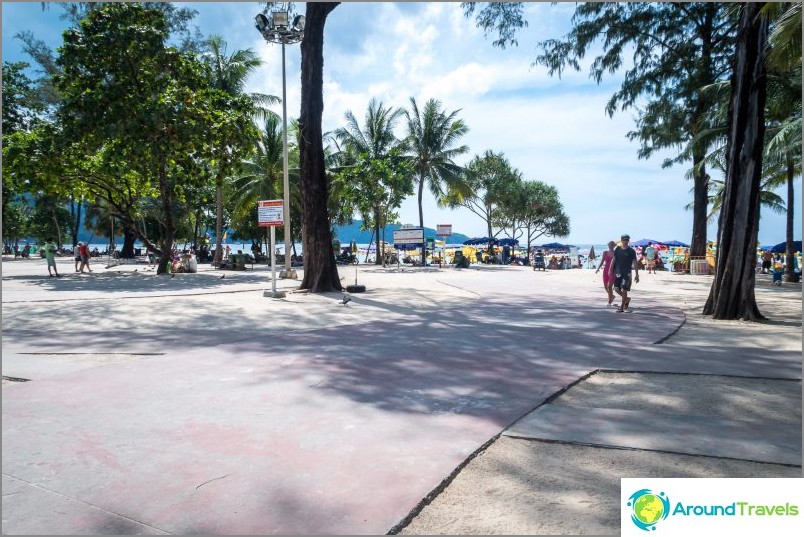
(275, 28)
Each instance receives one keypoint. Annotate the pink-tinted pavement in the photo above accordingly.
(327, 431)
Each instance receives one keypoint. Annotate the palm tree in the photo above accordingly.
(228, 73)
(783, 109)
(259, 177)
(432, 145)
(375, 141)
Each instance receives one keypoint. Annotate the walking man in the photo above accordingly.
(624, 260)
(50, 254)
(650, 258)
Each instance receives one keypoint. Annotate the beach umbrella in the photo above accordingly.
(782, 247)
(480, 240)
(592, 252)
(641, 243)
(676, 244)
(555, 246)
(508, 242)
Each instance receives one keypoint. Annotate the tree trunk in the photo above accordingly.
(165, 259)
(700, 208)
(369, 246)
(129, 236)
(320, 271)
(377, 260)
(216, 261)
(791, 174)
(421, 195)
(732, 293)
(75, 220)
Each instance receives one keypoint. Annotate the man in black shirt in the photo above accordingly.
(624, 259)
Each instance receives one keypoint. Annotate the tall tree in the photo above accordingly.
(534, 209)
(147, 108)
(489, 177)
(320, 271)
(732, 293)
(432, 140)
(371, 152)
(228, 73)
(677, 48)
(783, 137)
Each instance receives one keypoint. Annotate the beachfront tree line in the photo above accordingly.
(719, 82)
(156, 140)
(679, 51)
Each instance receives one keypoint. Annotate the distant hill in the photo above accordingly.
(348, 233)
(352, 232)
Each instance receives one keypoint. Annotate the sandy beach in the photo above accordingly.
(438, 401)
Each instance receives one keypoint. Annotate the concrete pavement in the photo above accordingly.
(193, 404)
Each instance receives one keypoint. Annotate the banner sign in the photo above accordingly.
(270, 213)
(444, 230)
(409, 236)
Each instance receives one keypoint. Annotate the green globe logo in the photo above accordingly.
(648, 508)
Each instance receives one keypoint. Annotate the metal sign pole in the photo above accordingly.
(273, 261)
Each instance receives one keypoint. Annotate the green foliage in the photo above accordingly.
(372, 176)
(21, 103)
(504, 18)
(432, 144)
(145, 111)
(489, 177)
(16, 218)
(534, 208)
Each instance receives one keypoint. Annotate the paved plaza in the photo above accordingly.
(143, 404)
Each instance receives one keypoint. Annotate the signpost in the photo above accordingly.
(409, 235)
(270, 213)
(444, 230)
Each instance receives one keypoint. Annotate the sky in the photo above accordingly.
(552, 130)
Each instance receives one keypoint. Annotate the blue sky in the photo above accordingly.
(552, 130)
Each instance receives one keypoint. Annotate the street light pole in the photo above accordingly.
(288, 272)
(276, 29)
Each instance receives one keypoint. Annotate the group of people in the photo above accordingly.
(617, 264)
(82, 255)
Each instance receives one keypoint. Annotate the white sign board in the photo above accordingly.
(270, 213)
(444, 230)
(409, 236)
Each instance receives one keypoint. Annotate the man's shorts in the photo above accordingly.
(622, 282)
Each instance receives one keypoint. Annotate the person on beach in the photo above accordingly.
(50, 254)
(608, 280)
(624, 259)
(650, 256)
(77, 256)
(83, 251)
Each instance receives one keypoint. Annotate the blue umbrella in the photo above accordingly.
(676, 244)
(555, 246)
(508, 242)
(480, 240)
(641, 243)
(782, 247)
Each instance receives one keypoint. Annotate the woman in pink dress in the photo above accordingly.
(605, 261)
